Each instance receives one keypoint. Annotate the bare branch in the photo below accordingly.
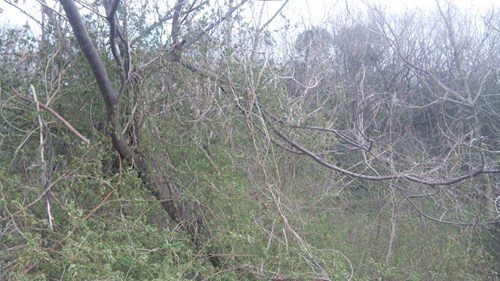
(66, 123)
(162, 20)
(275, 15)
(62, 120)
(338, 134)
(22, 11)
(405, 176)
(440, 220)
(214, 24)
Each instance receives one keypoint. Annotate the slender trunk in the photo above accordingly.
(150, 171)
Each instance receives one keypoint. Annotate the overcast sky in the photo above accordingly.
(302, 13)
(316, 12)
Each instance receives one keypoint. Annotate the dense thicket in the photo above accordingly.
(210, 148)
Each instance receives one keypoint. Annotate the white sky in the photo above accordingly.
(305, 11)
(301, 13)
(316, 12)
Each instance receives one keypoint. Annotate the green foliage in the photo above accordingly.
(360, 230)
(271, 213)
(104, 229)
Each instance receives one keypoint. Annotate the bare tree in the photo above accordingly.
(413, 98)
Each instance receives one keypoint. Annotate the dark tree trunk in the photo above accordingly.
(150, 171)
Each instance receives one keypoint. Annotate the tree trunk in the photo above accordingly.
(151, 173)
